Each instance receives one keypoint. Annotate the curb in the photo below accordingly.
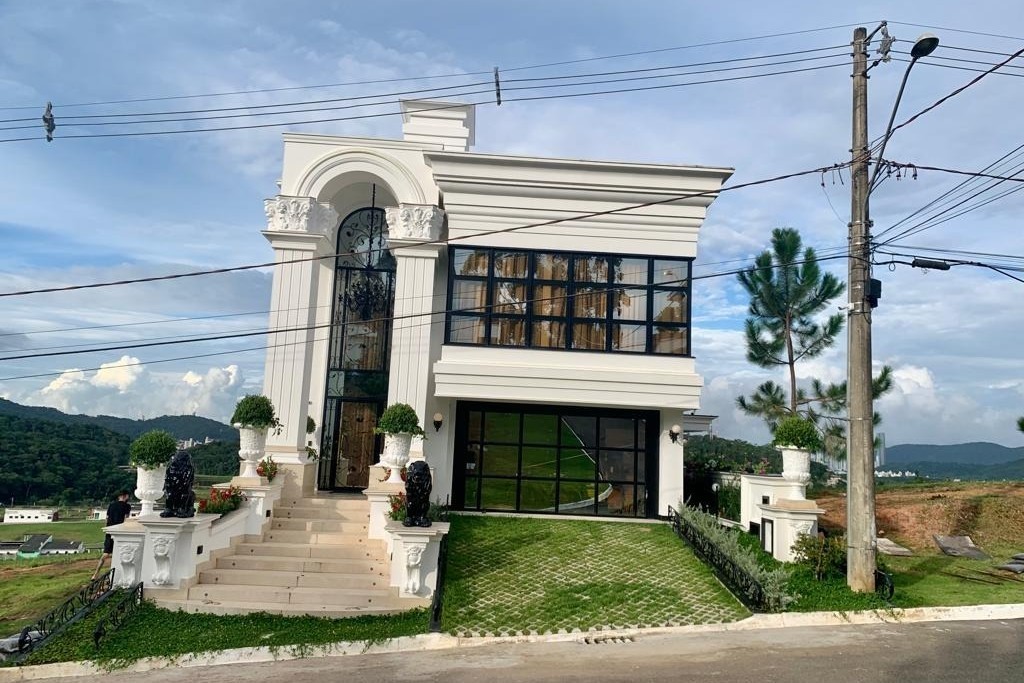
(440, 641)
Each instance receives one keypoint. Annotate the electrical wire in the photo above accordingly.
(429, 314)
(554, 221)
(439, 76)
(438, 108)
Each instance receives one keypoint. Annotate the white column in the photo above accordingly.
(298, 228)
(670, 468)
(413, 231)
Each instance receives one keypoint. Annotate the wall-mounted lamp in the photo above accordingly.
(438, 421)
(674, 433)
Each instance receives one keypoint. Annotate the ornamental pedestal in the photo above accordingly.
(149, 487)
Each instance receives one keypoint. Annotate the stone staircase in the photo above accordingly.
(315, 559)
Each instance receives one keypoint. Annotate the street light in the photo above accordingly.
(860, 511)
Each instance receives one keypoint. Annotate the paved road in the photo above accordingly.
(942, 652)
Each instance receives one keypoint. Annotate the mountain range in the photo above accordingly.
(179, 426)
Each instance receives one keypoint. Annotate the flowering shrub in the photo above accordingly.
(267, 468)
(222, 501)
(398, 510)
(437, 512)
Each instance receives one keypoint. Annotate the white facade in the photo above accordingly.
(29, 515)
(439, 195)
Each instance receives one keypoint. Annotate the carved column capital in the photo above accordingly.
(299, 214)
(415, 222)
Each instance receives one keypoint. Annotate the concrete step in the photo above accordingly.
(286, 579)
(347, 503)
(372, 550)
(376, 567)
(315, 537)
(332, 526)
(391, 605)
(322, 512)
(355, 597)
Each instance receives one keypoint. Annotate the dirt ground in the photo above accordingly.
(991, 513)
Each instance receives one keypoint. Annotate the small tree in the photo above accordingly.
(151, 450)
(256, 411)
(399, 418)
(798, 432)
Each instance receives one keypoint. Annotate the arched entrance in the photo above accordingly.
(359, 351)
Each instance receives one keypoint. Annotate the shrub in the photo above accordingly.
(255, 410)
(825, 556)
(798, 432)
(437, 512)
(267, 468)
(399, 418)
(222, 501)
(772, 580)
(151, 450)
(729, 502)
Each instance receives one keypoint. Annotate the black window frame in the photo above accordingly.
(486, 312)
(645, 452)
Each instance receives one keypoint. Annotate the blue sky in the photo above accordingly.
(77, 211)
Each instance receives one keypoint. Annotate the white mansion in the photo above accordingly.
(535, 312)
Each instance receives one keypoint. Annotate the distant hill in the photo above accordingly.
(957, 470)
(181, 426)
(977, 453)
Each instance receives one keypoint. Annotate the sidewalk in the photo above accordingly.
(439, 641)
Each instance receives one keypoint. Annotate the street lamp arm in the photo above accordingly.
(888, 128)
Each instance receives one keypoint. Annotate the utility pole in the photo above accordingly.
(860, 494)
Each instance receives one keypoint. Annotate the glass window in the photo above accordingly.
(500, 460)
(471, 261)
(554, 300)
(540, 461)
(536, 496)
(498, 494)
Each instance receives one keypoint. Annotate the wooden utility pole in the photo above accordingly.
(860, 495)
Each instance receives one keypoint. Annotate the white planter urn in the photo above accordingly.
(252, 442)
(396, 455)
(796, 465)
(149, 486)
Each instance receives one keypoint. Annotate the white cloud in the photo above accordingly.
(124, 387)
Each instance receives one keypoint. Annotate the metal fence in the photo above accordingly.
(91, 596)
(122, 610)
(744, 586)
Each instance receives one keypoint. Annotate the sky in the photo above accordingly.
(76, 211)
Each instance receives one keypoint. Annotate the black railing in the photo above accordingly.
(71, 610)
(436, 603)
(124, 609)
(744, 586)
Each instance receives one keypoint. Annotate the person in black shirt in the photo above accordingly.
(117, 512)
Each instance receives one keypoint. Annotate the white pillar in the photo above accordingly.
(413, 231)
(670, 465)
(298, 228)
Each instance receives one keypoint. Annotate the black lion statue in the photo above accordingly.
(418, 484)
(179, 500)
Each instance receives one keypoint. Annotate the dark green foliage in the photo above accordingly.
(399, 418)
(51, 463)
(152, 449)
(823, 555)
(155, 632)
(787, 290)
(255, 410)
(706, 454)
(729, 502)
(217, 457)
(797, 432)
(180, 426)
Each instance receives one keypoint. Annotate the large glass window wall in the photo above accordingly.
(556, 459)
(570, 301)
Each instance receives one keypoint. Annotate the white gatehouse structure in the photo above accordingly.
(535, 312)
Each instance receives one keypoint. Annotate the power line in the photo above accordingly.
(439, 76)
(392, 318)
(439, 108)
(249, 114)
(956, 30)
(554, 221)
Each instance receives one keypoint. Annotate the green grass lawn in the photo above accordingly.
(87, 531)
(520, 574)
(30, 589)
(927, 580)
